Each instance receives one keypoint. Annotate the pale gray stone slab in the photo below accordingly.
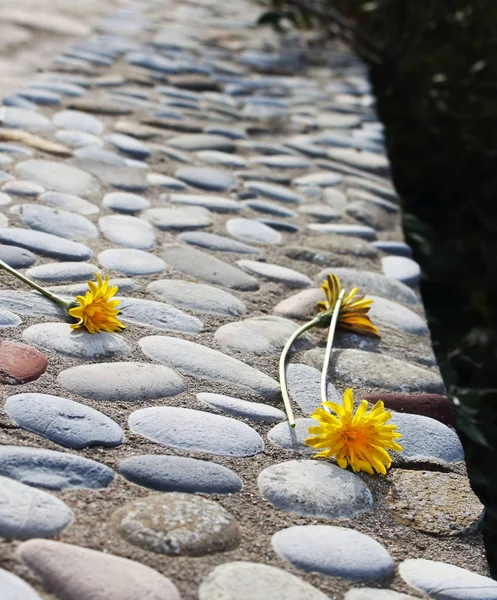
(289, 277)
(157, 315)
(58, 176)
(127, 231)
(256, 411)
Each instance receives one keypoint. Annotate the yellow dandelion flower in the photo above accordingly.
(360, 440)
(353, 312)
(95, 310)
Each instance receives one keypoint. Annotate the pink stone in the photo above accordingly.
(20, 363)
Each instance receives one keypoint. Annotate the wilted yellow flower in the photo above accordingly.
(96, 311)
(360, 440)
(353, 311)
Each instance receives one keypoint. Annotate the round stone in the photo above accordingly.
(127, 231)
(321, 179)
(61, 223)
(122, 381)
(207, 178)
(214, 203)
(196, 430)
(361, 231)
(51, 273)
(52, 470)
(334, 551)
(80, 121)
(58, 177)
(157, 315)
(27, 189)
(395, 315)
(14, 588)
(180, 474)
(126, 203)
(69, 202)
(179, 218)
(131, 261)
(12, 117)
(250, 230)
(8, 319)
(26, 512)
(78, 139)
(274, 191)
(18, 258)
(128, 145)
(256, 411)
(402, 268)
(276, 273)
(63, 421)
(20, 363)
(45, 244)
(212, 241)
(321, 212)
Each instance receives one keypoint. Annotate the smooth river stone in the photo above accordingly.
(128, 381)
(361, 231)
(198, 297)
(334, 551)
(77, 139)
(262, 336)
(253, 581)
(125, 202)
(393, 248)
(18, 258)
(131, 261)
(366, 593)
(20, 363)
(69, 202)
(262, 206)
(157, 315)
(45, 244)
(442, 581)
(26, 512)
(196, 430)
(303, 384)
(160, 180)
(178, 217)
(256, 411)
(253, 231)
(4, 199)
(29, 303)
(276, 273)
(52, 470)
(12, 117)
(205, 363)
(128, 145)
(301, 305)
(361, 159)
(59, 177)
(222, 158)
(57, 222)
(63, 421)
(321, 179)
(51, 273)
(21, 188)
(75, 573)
(213, 203)
(213, 241)
(283, 161)
(202, 141)
(274, 191)
(14, 588)
(402, 268)
(315, 489)
(395, 315)
(207, 178)
(293, 438)
(180, 474)
(60, 338)
(127, 231)
(8, 319)
(80, 121)
(205, 267)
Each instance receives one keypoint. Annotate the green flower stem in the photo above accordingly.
(284, 392)
(329, 345)
(60, 301)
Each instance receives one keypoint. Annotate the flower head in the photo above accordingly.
(353, 311)
(95, 310)
(359, 440)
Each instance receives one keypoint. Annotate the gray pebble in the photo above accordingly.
(78, 139)
(70, 203)
(402, 268)
(178, 217)
(216, 242)
(214, 203)
(45, 244)
(127, 231)
(207, 178)
(277, 273)
(361, 231)
(18, 258)
(274, 191)
(304, 387)
(58, 176)
(129, 145)
(13, 117)
(8, 319)
(19, 187)
(253, 231)
(158, 315)
(131, 261)
(201, 141)
(51, 273)
(61, 223)
(125, 203)
(80, 121)
(14, 588)
(255, 411)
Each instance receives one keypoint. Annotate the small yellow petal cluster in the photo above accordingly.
(96, 311)
(360, 440)
(353, 311)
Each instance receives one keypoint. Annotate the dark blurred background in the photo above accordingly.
(433, 66)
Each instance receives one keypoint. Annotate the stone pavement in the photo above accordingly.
(217, 173)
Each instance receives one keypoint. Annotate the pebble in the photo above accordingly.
(60, 87)
(253, 231)
(79, 289)
(165, 181)
(40, 97)
(14, 588)
(62, 271)
(79, 121)
(4, 199)
(443, 581)
(45, 244)
(395, 315)
(205, 363)
(216, 242)
(131, 261)
(76, 573)
(205, 267)
(314, 489)
(57, 222)
(301, 305)
(16, 257)
(19, 187)
(402, 268)
(207, 178)
(276, 273)
(394, 248)
(202, 141)
(70, 203)
(105, 157)
(336, 120)
(125, 203)
(129, 145)
(124, 177)
(12, 117)
(361, 231)
(269, 208)
(127, 231)
(293, 438)
(436, 406)
(29, 303)
(222, 158)
(60, 338)
(26, 512)
(361, 159)
(283, 161)
(122, 381)
(242, 580)
(274, 191)
(63, 421)
(180, 474)
(58, 176)
(334, 551)
(52, 470)
(154, 62)
(179, 217)
(4, 176)
(256, 411)
(8, 319)
(321, 179)
(177, 524)
(20, 363)
(214, 203)
(198, 297)
(78, 139)
(321, 212)
(158, 315)
(375, 594)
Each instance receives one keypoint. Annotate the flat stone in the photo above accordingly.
(100, 106)
(253, 581)
(261, 336)
(434, 503)
(198, 297)
(60, 338)
(122, 381)
(126, 203)
(77, 139)
(394, 248)
(63, 421)
(127, 231)
(18, 258)
(26, 512)
(321, 179)
(179, 217)
(14, 588)
(253, 231)
(222, 158)
(397, 316)
(205, 363)
(255, 411)
(283, 161)
(61, 223)
(158, 315)
(293, 438)
(321, 212)
(201, 141)
(361, 159)
(214, 203)
(154, 62)
(336, 120)
(29, 303)
(18, 187)
(276, 273)
(301, 305)
(177, 524)
(375, 594)
(12, 117)
(20, 363)
(269, 208)
(70, 203)
(436, 406)
(79, 289)
(402, 268)
(334, 551)
(79, 121)
(274, 191)
(361, 231)
(207, 178)
(206, 268)
(52, 470)
(62, 271)
(8, 319)
(45, 244)
(131, 261)
(314, 489)
(129, 145)
(100, 576)
(100, 155)
(124, 177)
(58, 177)
(180, 474)
(4, 199)
(160, 180)
(442, 581)
(41, 97)
(216, 242)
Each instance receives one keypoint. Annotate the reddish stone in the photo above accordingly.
(20, 363)
(435, 406)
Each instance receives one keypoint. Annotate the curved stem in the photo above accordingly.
(329, 345)
(288, 345)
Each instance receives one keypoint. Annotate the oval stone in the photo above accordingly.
(212, 241)
(252, 231)
(14, 588)
(402, 268)
(12, 117)
(20, 363)
(187, 217)
(69, 202)
(8, 319)
(18, 258)
(45, 244)
(59, 177)
(207, 178)
(128, 231)
(213, 203)
(51, 273)
(131, 261)
(276, 273)
(81, 121)
(256, 411)
(125, 202)
(274, 191)
(158, 315)
(61, 223)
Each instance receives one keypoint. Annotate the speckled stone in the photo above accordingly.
(127, 231)
(18, 258)
(204, 239)
(58, 177)
(126, 203)
(157, 315)
(255, 411)
(14, 588)
(131, 261)
(178, 218)
(402, 268)
(207, 178)
(80, 121)
(45, 244)
(51, 273)
(276, 273)
(274, 191)
(70, 203)
(214, 203)
(61, 223)
(20, 363)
